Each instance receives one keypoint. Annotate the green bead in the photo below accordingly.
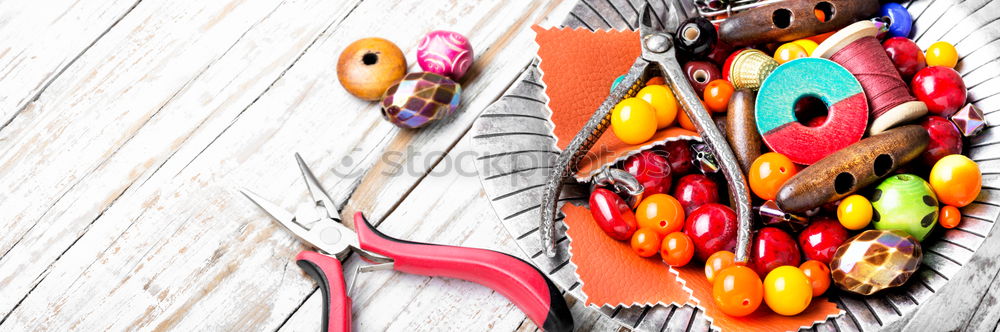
(905, 202)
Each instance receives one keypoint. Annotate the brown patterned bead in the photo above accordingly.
(875, 260)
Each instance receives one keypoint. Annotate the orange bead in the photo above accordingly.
(645, 242)
(367, 67)
(660, 212)
(677, 249)
(956, 180)
(656, 80)
(818, 274)
(820, 14)
(737, 291)
(684, 121)
(768, 173)
(717, 94)
(717, 262)
(950, 217)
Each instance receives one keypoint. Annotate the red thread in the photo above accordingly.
(867, 60)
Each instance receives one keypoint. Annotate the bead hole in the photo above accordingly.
(746, 302)
(883, 163)
(701, 76)
(691, 33)
(782, 18)
(843, 183)
(824, 11)
(369, 59)
(811, 111)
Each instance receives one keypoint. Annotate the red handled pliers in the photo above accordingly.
(319, 225)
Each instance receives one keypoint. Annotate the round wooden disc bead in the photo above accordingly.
(369, 66)
(817, 78)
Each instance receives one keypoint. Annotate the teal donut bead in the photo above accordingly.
(907, 203)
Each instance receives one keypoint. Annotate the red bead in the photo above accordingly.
(906, 55)
(712, 227)
(941, 88)
(612, 214)
(720, 52)
(651, 170)
(679, 156)
(772, 248)
(694, 190)
(700, 73)
(821, 239)
(945, 140)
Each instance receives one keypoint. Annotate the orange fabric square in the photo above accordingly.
(578, 67)
(612, 274)
(761, 320)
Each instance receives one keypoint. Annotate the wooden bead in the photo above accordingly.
(700, 73)
(741, 128)
(854, 167)
(790, 20)
(792, 83)
(445, 53)
(369, 66)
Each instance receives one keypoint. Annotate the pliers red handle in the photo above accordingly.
(523, 284)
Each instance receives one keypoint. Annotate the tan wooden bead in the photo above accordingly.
(369, 66)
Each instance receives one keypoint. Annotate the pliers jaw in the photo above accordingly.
(317, 223)
(658, 58)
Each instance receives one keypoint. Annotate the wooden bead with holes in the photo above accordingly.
(369, 66)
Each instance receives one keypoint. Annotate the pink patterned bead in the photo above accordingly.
(445, 53)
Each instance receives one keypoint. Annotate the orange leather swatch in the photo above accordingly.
(761, 320)
(612, 274)
(578, 67)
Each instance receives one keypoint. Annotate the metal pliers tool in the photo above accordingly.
(318, 224)
(658, 57)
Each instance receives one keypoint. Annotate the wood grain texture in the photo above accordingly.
(133, 214)
(41, 41)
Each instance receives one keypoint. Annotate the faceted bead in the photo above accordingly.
(419, 99)
(969, 120)
(875, 260)
(445, 53)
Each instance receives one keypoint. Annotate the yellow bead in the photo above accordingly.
(787, 290)
(942, 53)
(806, 44)
(663, 102)
(789, 52)
(633, 120)
(854, 212)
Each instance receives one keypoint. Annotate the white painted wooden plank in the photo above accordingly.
(200, 182)
(67, 172)
(40, 40)
(968, 300)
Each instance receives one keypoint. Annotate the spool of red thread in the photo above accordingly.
(889, 99)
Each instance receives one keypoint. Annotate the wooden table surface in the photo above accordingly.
(127, 128)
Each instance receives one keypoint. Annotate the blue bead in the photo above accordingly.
(901, 20)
